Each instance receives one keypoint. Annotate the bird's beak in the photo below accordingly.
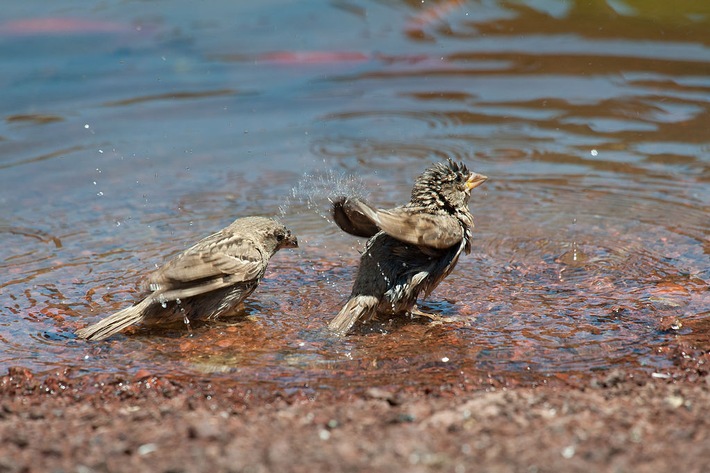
(290, 241)
(475, 180)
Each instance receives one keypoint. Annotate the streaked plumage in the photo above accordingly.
(411, 248)
(205, 281)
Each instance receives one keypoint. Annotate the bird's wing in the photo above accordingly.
(222, 259)
(351, 220)
(411, 225)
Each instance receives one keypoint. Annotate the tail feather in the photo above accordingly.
(116, 322)
(357, 308)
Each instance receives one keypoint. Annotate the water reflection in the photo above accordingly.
(592, 234)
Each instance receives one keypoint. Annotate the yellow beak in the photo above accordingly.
(475, 180)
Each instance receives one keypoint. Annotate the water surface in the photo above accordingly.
(131, 130)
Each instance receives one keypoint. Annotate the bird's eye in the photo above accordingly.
(280, 236)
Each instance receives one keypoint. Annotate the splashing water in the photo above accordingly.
(304, 210)
(316, 191)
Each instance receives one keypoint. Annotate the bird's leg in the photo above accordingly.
(416, 311)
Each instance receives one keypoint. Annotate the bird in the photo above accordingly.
(209, 279)
(410, 248)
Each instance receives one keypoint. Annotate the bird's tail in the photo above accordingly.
(116, 322)
(357, 308)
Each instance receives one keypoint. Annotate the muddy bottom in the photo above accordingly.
(616, 420)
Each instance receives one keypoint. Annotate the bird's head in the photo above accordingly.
(446, 186)
(274, 235)
(284, 238)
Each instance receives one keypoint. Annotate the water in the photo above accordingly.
(317, 192)
(132, 130)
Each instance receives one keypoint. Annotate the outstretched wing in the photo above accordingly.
(351, 220)
(408, 224)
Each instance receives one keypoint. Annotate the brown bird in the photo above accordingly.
(205, 281)
(411, 248)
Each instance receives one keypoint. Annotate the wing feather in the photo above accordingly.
(412, 225)
(351, 220)
(216, 256)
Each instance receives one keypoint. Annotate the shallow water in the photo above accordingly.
(132, 130)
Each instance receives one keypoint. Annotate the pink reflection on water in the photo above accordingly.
(61, 26)
(313, 57)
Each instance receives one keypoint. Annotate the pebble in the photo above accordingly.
(147, 448)
(674, 401)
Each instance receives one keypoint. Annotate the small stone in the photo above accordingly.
(568, 452)
(402, 418)
(147, 448)
(674, 401)
(204, 429)
(379, 393)
(392, 399)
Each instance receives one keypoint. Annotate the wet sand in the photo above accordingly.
(611, 421)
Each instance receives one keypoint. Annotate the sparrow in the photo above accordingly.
(411, 248)
(207, 280)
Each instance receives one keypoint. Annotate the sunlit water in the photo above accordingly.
(129, 133)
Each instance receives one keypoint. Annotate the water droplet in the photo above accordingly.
(317, 191)
(574, 251)
(594, 152)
